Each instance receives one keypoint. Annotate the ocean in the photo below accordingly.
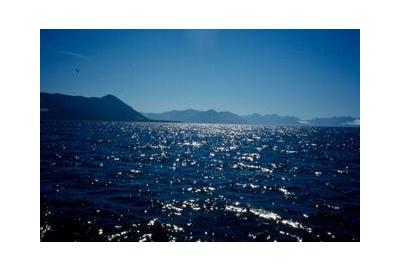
(124, 181)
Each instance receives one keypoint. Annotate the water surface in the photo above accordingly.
(119, 181)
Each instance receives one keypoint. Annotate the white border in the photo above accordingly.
(21, 21)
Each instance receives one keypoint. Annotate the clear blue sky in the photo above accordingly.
(305, 73)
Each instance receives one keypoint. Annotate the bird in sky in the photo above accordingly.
(77, 71)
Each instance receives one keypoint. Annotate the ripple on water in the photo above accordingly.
(189, 182)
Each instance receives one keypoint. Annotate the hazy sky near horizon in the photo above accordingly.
(305, 73)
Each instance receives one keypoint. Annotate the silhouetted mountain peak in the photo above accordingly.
(108, 108)
(111, 97)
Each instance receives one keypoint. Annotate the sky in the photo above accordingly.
(303, 73)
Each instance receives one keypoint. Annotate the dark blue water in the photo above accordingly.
(113, 181)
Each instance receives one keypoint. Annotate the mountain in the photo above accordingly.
(194, 116)
(212, 116)
(184, 116)
(110, 108)
(107, 108)
(334, 121)
(272, 119)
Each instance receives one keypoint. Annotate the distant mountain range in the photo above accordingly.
(110, 108)
(272, 119)
(194, 116)
(214, 117)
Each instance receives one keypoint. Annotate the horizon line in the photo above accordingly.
(198, 110)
